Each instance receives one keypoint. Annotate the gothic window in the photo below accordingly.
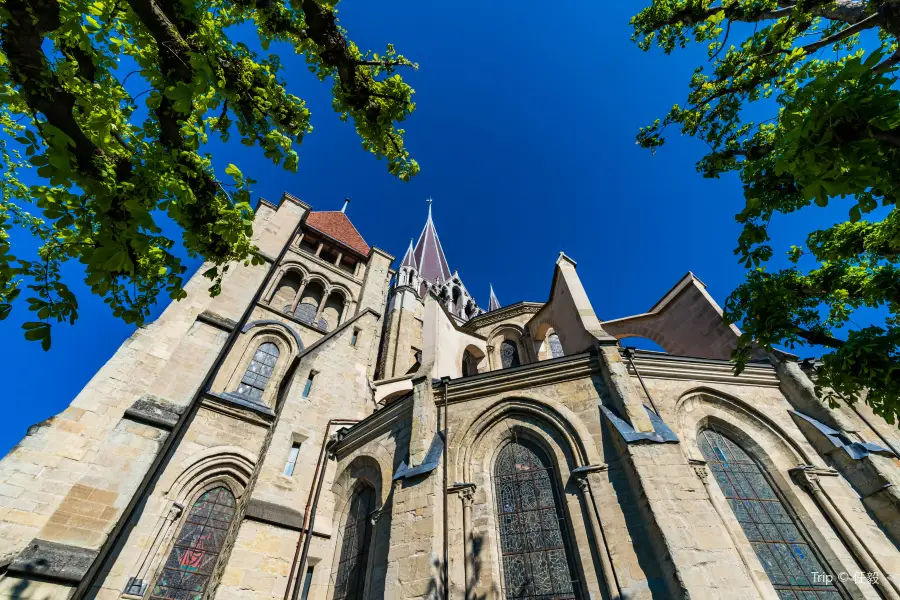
(350, 581)
(186, 572)
(556, 349)
(258, 372)
(467, 364)
(533, 544)
(786, 554)
(509, 354)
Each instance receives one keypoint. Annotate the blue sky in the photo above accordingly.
(525, 133)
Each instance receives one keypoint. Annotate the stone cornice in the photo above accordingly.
(372, 426)
(502, 314)
(664, 366)
(533, 374)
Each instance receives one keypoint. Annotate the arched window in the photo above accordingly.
(784, 551)
(509, 354)
(556, 349)
(186, 572)
(533, 544)
(258, 372)
(350, 581)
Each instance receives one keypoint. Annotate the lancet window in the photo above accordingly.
(259, 371)
(350, 580)
(788, 557)
(189, 566)
(535, 553)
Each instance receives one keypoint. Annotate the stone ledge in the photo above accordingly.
(216, 320)
(274, 514)
(50, 560)
(279, 516)
(155, 411)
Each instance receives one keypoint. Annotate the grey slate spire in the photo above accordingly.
(409, 259)
(428, 254)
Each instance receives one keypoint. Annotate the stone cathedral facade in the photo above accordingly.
(335, 426)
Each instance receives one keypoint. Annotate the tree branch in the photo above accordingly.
(867, 23)
(818, 338)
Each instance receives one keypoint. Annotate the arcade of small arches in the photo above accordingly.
(452, 293)
(311, 298)
(508, 347)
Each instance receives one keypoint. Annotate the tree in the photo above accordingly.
(822, 73)
(110, 164)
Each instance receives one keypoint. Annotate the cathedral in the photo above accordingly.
(341, 425)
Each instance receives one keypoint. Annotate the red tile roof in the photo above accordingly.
(334, 223)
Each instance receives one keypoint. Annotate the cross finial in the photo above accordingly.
(429, 201)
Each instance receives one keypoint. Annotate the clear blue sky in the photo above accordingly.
(525, 133)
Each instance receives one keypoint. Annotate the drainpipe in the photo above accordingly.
(306, 528)
(629, 354)
(310, 510)
(444, 382)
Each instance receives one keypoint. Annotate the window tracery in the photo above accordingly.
(350, 580)
(535, 557)
(787, 556)
(189, 566)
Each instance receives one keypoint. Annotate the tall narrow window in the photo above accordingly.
(509, 354)
(186, 572)
(292, 459)
(556, 349)
(309, 381)
(355, 337)
(258, 372)
(307, 581)
(786, 554)
(350, 581)
(533, 544)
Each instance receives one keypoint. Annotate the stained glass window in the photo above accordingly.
(536, 561)
(350, 580)
(186, 572)
(556, 349)
(786, 554)
(509, 354)
(258, 372)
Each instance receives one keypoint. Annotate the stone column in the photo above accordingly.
(490, 357)
(807, 477)
(467, 495)
(325, 294)
(587, 497)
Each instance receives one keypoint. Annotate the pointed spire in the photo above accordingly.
(493, 303)
(409, 259)
(429, 255)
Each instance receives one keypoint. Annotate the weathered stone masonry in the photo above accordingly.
(287, 440)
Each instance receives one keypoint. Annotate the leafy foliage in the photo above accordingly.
(833, 133)
(109, 163)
